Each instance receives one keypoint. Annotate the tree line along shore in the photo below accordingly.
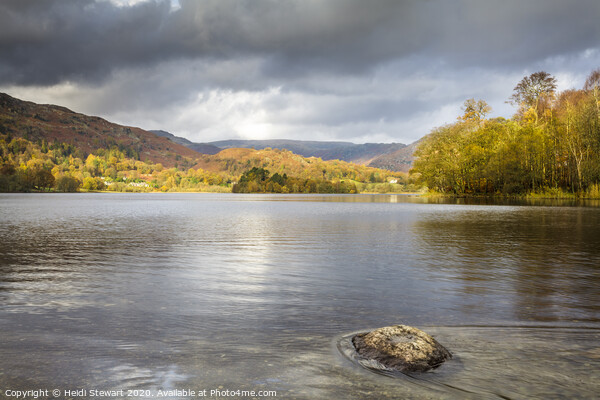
(551, 146)
(27, 166)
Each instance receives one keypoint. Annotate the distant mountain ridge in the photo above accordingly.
(394, 156)
(397, 160)
(295, 146)
(204, 148)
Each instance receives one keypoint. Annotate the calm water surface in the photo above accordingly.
(253, 292)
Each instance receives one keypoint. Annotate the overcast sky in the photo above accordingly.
(360, 71)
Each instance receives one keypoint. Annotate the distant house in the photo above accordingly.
(138, 184)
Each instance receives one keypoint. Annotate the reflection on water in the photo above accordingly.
(252, 292)
(545, 259)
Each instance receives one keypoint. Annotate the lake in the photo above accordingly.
(149, 292)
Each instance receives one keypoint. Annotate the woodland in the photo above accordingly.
(27, 166)
(551, 146)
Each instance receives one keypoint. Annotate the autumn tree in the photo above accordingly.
(66, 183)
(475, 110)
(592, 85)
(43, 180)
(438, 159)
(533, 91)
(593, 81)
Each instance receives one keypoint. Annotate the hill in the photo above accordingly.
(302, 147)
(30, 166)
(50, 123)
(176, 139)
(392, 156)
(47, 147)
(362, 154)
(399, 160)
(236, 161)
(203, 148)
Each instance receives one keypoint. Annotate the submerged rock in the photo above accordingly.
(401, 348)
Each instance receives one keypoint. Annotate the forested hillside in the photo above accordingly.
(283, 162)
(550, 146)
(50, 148)
(27, 166)
(54, 124)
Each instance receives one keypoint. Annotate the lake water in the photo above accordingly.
(253, 292)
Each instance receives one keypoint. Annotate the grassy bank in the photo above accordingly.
(592, 193)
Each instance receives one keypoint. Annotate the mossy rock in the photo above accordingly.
(401, 348)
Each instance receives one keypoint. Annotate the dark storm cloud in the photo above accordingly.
(46, 42)
(360, 70)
